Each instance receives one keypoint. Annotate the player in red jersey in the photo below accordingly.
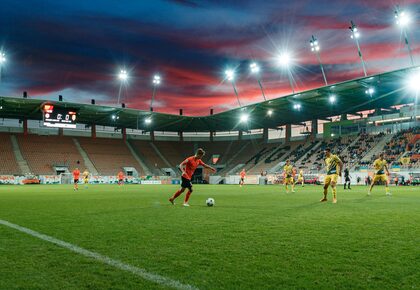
(76, 175)
(242, 174)
(188, 167)
(120, 176)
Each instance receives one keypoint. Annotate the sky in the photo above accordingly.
(77, 48)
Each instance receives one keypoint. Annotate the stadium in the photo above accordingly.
(316, 188)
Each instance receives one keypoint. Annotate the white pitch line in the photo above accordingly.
(104, 259)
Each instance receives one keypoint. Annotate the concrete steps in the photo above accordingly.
(22, 163)
(89, 164)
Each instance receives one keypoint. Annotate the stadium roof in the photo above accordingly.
(390, 89)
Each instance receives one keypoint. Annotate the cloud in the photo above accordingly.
(76, 49)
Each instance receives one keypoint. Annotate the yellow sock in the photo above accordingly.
(287, 189)
(386, 189)
(334, 190)
(293, 186)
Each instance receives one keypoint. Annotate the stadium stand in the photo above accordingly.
(151, 158)
(109, 155)
(42, 153)
(8, 163)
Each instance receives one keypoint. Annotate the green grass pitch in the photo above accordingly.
(256, 237)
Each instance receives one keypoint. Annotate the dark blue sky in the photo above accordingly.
(76, 48)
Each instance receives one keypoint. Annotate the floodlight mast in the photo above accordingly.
(315, 48)
(255, 69)
(156, 82)
(355, 34)
(284, 60)
(2, 60)
(403, 20)
(122, 76)
(230, 76)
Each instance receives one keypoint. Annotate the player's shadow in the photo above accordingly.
(367, 198)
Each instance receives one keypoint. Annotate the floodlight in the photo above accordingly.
(297, 106)
(254, 68)
(270, 112)
(314, 44)
(370, 91)
(403, 19)
(2, 57)
(156, 80)
(244, 118)
(230, 75)
(148, 121)
(332, 99)
(123, 76)
(414, 82)
(284, 59)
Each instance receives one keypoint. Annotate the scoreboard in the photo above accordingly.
(56, 117)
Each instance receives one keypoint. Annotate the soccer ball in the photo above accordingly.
(210, 201)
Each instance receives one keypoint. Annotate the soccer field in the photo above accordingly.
(255, 237)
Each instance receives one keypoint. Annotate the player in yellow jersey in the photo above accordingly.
(334, 166)
(85, 175)
(380, 165)
(300, 178)
(288, 176)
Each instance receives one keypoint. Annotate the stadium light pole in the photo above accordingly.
(403, 19)
(255, 70)
(355, 34)
(285, 60)
(156, 82)
(2, 60)
(230, 76)
(123, 77)
(315, 48)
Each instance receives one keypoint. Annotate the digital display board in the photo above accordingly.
(56, 117)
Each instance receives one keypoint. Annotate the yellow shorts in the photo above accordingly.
(331, 178)
(380, 177)
(300, 180)
(288, 180)
(86, 180)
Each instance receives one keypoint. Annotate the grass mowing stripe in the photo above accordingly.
(104, 259)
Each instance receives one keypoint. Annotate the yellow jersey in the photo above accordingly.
(288, 170)
(332, 164)
(300, 174)
(379, 166)
(85, 174)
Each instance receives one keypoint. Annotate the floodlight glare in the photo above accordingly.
(370, 91)
(354, 31)
(270, 112)
(254, 68)
(297, 106)
(156, 79)
(414, 82)
(148, 120)
(244, 118)
(123, 75)
(403, 19)
(230, 75)
(284, 59)
(2, 57)
(332, 99)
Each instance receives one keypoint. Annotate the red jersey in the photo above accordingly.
(243, 174)
(191, 164)
(76, 174)
(120, 175)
